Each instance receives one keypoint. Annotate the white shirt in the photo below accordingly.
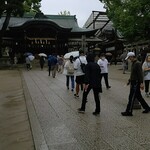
(65, 68)
(146, 65)
(77, 66)
(103, 63)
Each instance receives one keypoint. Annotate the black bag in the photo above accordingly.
(82, 66)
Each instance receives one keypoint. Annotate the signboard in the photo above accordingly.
(110, 48)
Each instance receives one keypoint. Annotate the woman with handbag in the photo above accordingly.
(69, 72)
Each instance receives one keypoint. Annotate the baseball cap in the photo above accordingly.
(130, 54)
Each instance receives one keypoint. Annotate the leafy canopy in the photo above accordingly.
(130, 17)
(18, 7)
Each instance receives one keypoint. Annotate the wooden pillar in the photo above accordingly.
(83, 44)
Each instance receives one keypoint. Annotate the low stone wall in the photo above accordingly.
(5, 62)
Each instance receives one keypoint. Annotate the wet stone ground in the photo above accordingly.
(55, 122)
(15, 133)
(58, 126)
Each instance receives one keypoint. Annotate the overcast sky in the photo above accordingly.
(81, 8)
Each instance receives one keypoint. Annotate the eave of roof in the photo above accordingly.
(62, 21)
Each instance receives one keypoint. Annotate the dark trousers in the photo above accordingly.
(28, 66)
(41, 65)
(96, 92)
(105, 75)
(49, 70)
(135, 93)
(147, 86)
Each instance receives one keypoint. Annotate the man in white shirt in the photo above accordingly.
(103, 63)
(79, 73)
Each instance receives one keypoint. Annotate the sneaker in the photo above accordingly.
(146, 111)
(75, 95)
(146, 94)
(126, 113)
(96, 113)
(81, 111)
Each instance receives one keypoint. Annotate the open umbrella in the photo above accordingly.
(31, 57)
(108, 54)
(73, 53)
(42, 54)
(27, 54)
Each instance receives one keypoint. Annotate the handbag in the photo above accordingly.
(82, 66)
(145, 72)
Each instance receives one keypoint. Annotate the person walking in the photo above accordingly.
(103, 63)
(92, 81)
(136, 85)
(42, 62)
(60, 63)
(69, 72)
(79, 72)
(52, 64)
(28, 63)
(146, 72)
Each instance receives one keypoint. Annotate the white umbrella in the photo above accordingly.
(42, 54)
(73, 53)
(108, 54)
(31, 57)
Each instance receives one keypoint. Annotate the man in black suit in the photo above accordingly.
(92, 81)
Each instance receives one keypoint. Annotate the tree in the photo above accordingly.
(130, 17)
(65, 13)
(16, 8)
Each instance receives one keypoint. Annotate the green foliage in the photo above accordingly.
(130, 17)
(18, 7)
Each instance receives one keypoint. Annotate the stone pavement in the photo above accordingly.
(56, 124)
(15, 131)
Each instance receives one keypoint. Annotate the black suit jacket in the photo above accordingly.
(92, 75)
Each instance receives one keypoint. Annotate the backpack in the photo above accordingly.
(70, 68)
(82, 66)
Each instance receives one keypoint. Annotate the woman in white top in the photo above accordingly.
(69, 72)
(146, 70)
(103, 63)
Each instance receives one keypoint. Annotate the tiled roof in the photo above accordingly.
(60, 20)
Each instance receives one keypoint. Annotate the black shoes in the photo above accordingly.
(76, 96)
(146, 111)
(130, 114)
(81, 111)
(96, 113)
(108, 87)
(126, 113)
